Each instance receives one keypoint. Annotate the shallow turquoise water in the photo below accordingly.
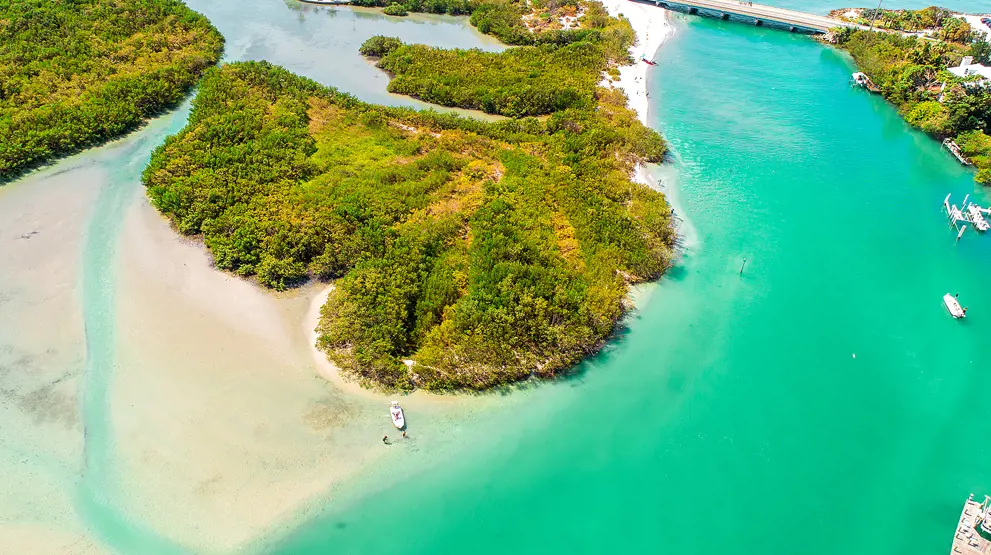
(79, 460)
(733, 415)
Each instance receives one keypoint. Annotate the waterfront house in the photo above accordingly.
(967, 68)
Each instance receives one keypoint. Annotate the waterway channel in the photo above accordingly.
(821, 402)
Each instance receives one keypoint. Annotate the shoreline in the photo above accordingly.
(633, 81)
(633, 78)
(323, 365)
(330, 372)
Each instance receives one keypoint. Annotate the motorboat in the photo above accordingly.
(953, 305)
(398, 420)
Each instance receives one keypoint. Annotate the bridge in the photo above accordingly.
(758, 14)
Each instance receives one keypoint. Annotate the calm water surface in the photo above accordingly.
(731, 415)
(822, 402)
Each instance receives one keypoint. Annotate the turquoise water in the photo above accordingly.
(61, 462)
(98, 487)
(733, 415)
(321, 42)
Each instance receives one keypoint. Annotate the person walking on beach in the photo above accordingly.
(385, 440)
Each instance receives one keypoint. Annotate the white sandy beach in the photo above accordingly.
(652, 28)
(227, 420)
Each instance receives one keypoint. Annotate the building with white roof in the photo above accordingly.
(968, 68)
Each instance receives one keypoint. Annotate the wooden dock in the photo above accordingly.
(968, 539)
(955, 151)
(758, 14)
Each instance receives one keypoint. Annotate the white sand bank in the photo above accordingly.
(43, 220)
(652, 28)
(223, 426)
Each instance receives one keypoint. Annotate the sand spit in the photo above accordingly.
(652, 28)
(223, 426)
(42, 351)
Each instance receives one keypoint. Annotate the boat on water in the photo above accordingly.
(953, 305)
(398, 420)
(862, 80)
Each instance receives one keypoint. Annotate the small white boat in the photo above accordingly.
(953, 305)
(398, 420)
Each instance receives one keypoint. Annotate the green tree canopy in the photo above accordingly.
(482, 253)
(75, 74)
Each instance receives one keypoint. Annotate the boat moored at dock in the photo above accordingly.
(954, 149)
(973, 528)
(970, 213)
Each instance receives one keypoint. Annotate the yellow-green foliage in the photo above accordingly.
(77, 73)
(486, 253)
(976, 145)
(561, 71)
(522, 81)
(929, 116)
(940, 21)
(912, 74)
(395, 9)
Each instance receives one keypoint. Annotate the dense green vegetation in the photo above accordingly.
(77, 73)
(911, 73)
(484, 252)
(553, 71)
(939, 22)
(503, 19)
(395, 9)
(522, 81)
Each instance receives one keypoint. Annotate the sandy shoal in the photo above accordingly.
(43, 219)
(224, 422)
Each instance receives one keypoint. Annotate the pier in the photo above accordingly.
(757, 14)
(970, 213)
(950, 145)
(969, 538)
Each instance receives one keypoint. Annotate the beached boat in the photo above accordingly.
(862, 80)
(398, 420)
(953, 305)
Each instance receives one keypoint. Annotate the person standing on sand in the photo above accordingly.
(385, 440)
